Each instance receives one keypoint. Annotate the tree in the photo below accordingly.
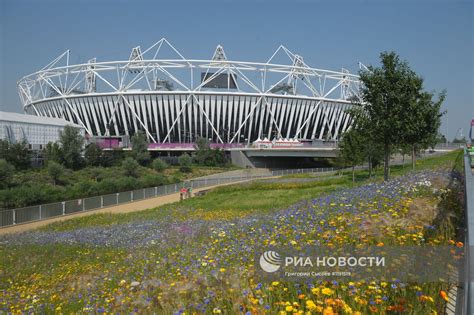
(202, 152)
(159, 165)
(6, 173)
(185, 163)
(16, 154)
(460, 140)
(4, 145)
(351, 149)
(55, 171)
(388, 93)
(71, 143)
(204, 155)
(371, 149)
(140, 148)
(112, 157)
(130, 167)
(441, 138)
(52, 152)
(422, 119)
(93, 155)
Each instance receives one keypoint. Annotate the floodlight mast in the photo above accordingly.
(149, 92)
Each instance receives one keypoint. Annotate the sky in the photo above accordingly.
(435, 37)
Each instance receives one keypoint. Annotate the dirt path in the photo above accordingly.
(122, 208)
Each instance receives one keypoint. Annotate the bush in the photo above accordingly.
(140, 148)
(150, 180)
(6, 173)
(52, 152)
(55, 171)
(159, 165)
(185, 163)
(16, 154)
(93, 155)
(112, 157)
(71, 142)
(130, 167)
(206, 156)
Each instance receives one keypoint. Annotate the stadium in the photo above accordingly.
(175, 100)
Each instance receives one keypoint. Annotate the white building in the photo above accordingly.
(36, 130)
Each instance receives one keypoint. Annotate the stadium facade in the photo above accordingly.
(173, 99)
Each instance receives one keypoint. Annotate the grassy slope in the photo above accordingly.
(241, 199)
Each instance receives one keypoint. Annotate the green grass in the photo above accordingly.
(242, 199)
(54, 269)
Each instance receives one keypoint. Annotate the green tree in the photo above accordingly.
(351, 149)
(387, 93)
(6, 173)
(55, 171)
(93, 155)
(16, 154)
(112, 157)
(130, 167)
(204, 155)
(159, 165)
(52, 152)
(140, 148)
(203, 150)
(71, 142)
(185, 162)
(422, 119)
(441, 138)
(459, 140)
(4, 145)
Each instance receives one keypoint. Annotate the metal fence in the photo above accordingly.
(468, 299)
(41, 212)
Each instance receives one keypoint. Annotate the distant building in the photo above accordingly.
(35, 130)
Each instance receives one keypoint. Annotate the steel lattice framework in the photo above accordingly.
(179, 99)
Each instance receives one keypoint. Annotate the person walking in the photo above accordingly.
(190, 190)
(182, 193)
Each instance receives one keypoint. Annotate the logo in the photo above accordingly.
(270, 261)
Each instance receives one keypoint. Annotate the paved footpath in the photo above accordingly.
(122, 208)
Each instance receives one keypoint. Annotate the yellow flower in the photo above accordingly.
(310, 305)
(222, 270)
(328, 311)
(315, 291)
(275, 283)
(289, 308)
(327, 291)
(216, 311)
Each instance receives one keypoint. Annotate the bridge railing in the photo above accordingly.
(28, 214)
(468, 305)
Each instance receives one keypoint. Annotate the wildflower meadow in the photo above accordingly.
(185, 259)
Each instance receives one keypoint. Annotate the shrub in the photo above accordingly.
(106, 186)
(151, 180)
(126, 183)
(130, 167)
(112, 157)
(6, 173)
(185, 163)
(71, 142)
(55, 171)
(52, 152)
(159, 165)
(16, 154)
(140, 148)
(93, 155)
